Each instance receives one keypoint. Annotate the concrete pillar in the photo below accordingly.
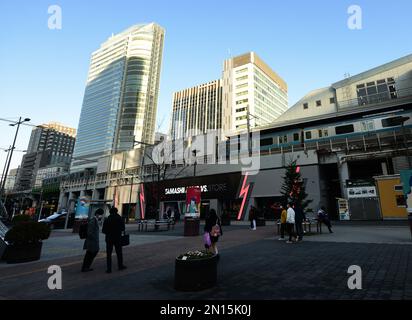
(95, 194)
(343, 176)
(63, 200)
(384, 168)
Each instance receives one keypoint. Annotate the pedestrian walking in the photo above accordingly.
(299, 218)
(213, 226)
(323, 217)
(283, 217)
(252, 218)
(113, 226)
(91, 244)
(290, 223)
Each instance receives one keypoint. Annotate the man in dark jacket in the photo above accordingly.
(113, 226)
(299, 218)
(91, 244)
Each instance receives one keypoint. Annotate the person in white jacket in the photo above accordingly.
(290, 223)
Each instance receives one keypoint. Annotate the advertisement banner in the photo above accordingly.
(193, 201)
(343, 208)
(82, 208)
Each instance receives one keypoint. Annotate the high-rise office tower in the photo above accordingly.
(50, 145)
(120, 100)
(251, 87)
(197, 110)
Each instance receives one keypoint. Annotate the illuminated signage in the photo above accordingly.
(203, 188)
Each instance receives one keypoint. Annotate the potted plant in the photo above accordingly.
(25, 239)
(195, 270)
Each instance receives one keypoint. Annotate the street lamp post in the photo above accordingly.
(5, 164)
(194, 152)
(18, 123)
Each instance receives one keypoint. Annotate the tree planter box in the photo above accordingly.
(192, 226)
(23, 253)
(196, 274)
(260, 222)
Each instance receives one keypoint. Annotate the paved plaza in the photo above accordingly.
(252, 265)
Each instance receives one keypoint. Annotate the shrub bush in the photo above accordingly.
(26, 232)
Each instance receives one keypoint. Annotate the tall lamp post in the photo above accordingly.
(18, 123)
(5, 164)
(194, 152)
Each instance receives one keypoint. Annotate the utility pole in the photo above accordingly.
(18, 123)
(249, 147)
(5, 164)
(195, 163)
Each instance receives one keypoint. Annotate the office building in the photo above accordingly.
(49, 145)
(250, 94)
(120, 99)
(253, 94)
(197, 110)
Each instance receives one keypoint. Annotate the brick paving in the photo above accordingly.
(253, 265)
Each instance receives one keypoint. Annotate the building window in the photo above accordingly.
(305, 106)
(296, 137)
(308, 135)
(332, 100)
(241, 78)
(318, 103)
(344, 129)
(241, 70)
(243, 93)
(392, 122)
(266, 142)
(283, 139)
(398, 188)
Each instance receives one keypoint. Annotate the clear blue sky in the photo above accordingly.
(308, 43)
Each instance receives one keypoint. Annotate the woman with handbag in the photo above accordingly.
(213, 230)
(113, 227)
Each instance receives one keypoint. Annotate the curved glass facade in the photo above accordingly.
(120, 100)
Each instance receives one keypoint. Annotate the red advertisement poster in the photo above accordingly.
(193, 201)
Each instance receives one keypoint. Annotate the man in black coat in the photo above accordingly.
(113, 226)
(299, 218)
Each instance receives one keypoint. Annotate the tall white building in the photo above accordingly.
(251, 87)
(120, 100)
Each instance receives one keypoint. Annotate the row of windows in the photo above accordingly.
(318, 103)
(242, 101)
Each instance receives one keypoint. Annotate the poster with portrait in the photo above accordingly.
(82, 208)
(193, 201)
